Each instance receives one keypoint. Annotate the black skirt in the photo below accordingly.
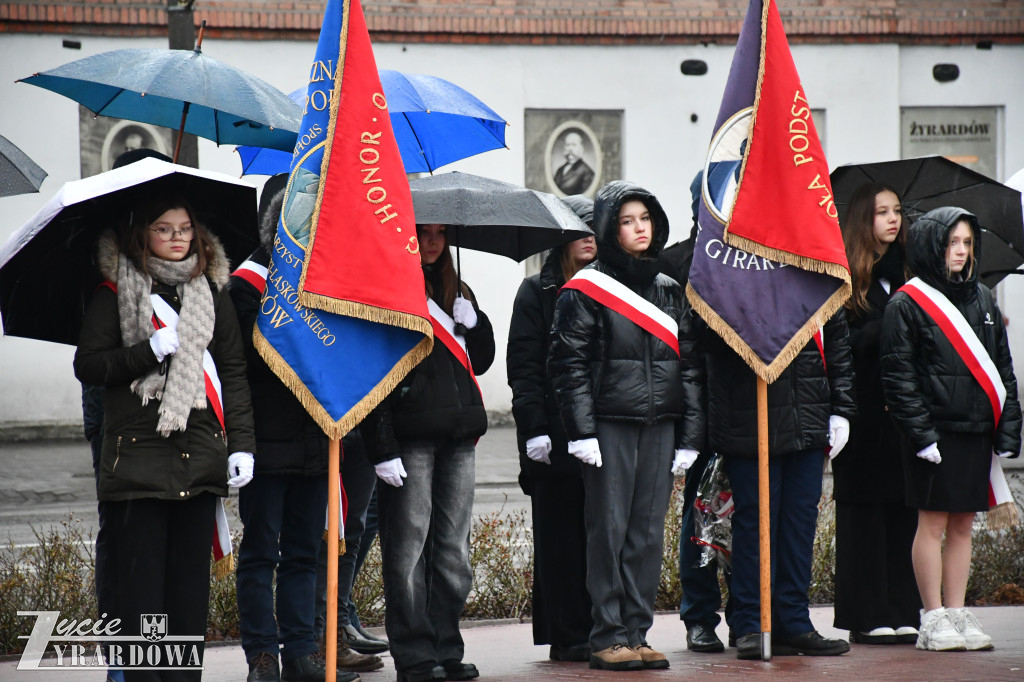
(959, 483)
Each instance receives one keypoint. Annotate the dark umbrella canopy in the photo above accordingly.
(47, 267)
(225, 104)
(934, 181)
(494, 216)
(18, 173)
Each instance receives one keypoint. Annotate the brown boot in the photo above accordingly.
(351, 661)
(616, 657)
(652, 659)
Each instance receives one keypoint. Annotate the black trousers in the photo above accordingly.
(160, 557)
(561, 605)
(875, 584)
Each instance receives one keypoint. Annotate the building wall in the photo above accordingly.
(860, 87)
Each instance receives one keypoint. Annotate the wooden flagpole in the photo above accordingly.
(333, 506)
(764, 519)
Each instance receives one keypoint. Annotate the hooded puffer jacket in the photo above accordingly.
(136, 462)
(533, 399)
(928, 388)
(602, 365)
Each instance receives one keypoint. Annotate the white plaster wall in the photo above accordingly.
(860, 87)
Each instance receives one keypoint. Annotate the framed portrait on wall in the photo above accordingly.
(103, 139)
(572, 151)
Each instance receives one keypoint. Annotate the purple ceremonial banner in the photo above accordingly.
(769, 267)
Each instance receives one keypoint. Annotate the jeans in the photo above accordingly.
(424, 533)
(359, 479)
(284, 520)
(624, 510)
(702, 595)
(795, 484)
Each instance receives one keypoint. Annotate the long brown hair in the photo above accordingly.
(134, 231)
(861, 245)
(449, 279)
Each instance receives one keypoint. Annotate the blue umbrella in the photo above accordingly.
(435, 122)
(179, 89)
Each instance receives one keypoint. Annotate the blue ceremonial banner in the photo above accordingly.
(344, 315)
(769, 267)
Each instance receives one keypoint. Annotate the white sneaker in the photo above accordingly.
(906, 635)
(970, 629)
(939, 633)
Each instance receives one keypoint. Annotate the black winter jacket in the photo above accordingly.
(289, 440)
(136, 462)
(927, 386)
(800, 401)
(870, 468)
(603, 366)
(533, 398)
(437, 401)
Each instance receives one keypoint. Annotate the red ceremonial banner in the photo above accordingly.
(784, 208)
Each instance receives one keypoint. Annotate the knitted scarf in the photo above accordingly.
(183, 388)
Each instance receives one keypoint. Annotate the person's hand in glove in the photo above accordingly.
(684, 459)
(391, 472)
(838, 434)
(464, 313)
(164, 342)
(538, 449)
(930, 453)
(586, 450)
(240, 466)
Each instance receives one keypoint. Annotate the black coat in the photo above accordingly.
(927, 386)
(602, 365)
(289, 440)
(800, 401)
(136, 461)
(437, 401)
(870, 468)
(533, 399)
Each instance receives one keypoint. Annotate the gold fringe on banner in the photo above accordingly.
(371, 313)
(338, 429)
(770, 371)
(341, 543)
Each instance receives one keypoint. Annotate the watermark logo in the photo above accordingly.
(68, 644)
(154, 626)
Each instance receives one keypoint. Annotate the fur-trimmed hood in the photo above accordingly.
(218, 270)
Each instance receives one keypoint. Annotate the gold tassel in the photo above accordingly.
(224, 566)
(341, 543)
(1002, 516)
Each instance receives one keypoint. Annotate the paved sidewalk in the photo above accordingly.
(506, 652)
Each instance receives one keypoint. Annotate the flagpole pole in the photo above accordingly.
(764, 519)
(333, 504)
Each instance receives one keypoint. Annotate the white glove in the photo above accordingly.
(164, 342)
(930, 453)
(587, 451)
(240, 466)
(538, 449)
(391, 472)
(1005, 453)
(464, 313)
(838, 434)
(684, 460)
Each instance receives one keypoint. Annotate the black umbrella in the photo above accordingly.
(47, 267)
(18, 173)
(933, 181)
(494, 216)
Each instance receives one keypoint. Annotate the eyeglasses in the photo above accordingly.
(167, 233)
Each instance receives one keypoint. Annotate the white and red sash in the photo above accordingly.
(444, 331)
(165, 316)
(972, 352)
(616, 296)
(253, 273)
